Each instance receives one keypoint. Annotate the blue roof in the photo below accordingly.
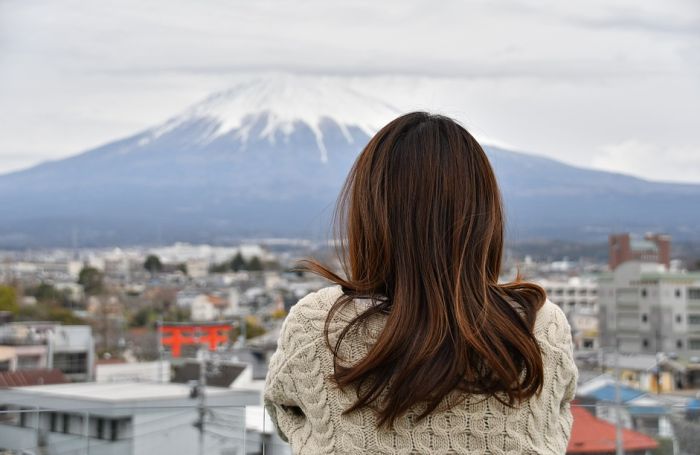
(607, 393)
(694, 404)
(646, 410)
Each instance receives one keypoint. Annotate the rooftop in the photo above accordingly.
(122, 398)
(595, 436)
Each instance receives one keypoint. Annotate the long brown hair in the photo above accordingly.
(421, 234)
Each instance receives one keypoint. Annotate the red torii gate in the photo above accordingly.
(177, 335)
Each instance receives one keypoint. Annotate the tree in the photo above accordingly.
(64, 316)
(46, 292)
(238, 263)
(182, 267)
(253, 328)
(255, 265)
(153, 264)
(8, 299)
(91, 279)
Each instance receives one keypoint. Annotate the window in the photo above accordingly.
(694, 344)
(645, 343)
(678, 292)
(644, 292)
(66, 421)
(115, 427)
(694, 319)
(570, 291)
(71, 362)
(644, 317)
(27, 362)
(679, 318)
(9, 415)
(679, 344)
(694, 293)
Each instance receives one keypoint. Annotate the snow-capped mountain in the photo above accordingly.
(273, 108)
(267, 158)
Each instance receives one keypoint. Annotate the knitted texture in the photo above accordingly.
(307, 408)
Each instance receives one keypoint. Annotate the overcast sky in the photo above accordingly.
(608, 84)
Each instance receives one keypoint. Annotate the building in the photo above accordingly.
(578, 298)
(593, 436)
(646, 309)
(120, 371)
(652, 248)
(29, 345)
(131, 418)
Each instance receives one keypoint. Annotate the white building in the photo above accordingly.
(126, 419)
(644, 308)
(156, 371)
(578, 298)
(204, 308)
(69, 348)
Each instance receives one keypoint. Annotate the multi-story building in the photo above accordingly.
(652, 248)
(130, 418)
(645, 308)
(578, 297)
(28, 345)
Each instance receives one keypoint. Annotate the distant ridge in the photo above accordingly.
(267, 158)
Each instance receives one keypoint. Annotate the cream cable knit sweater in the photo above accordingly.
(307, 408)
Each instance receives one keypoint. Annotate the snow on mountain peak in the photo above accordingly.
(285, 100)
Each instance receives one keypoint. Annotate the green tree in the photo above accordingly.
(238, 263)
(219, 268)
(64, 316)
(153, 264)
(252, 326)
(46, 292)
(91, 279)
(182, 267)
(8, 299)
(255, 265)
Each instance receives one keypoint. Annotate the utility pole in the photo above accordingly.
(161, 365)
(619, 448)
(201, 396)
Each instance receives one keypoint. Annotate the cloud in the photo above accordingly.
(557, 78)
(631, 156)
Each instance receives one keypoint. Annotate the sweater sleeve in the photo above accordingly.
(281, 398)
(570, 372)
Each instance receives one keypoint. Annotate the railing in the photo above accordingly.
(211, 429)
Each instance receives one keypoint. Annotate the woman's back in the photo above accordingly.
(419, 347)
(307, 407)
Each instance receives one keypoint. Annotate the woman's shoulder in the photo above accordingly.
(316, 305)
(310, 312)
(551, 325)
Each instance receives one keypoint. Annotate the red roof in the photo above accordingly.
(593, 435)
(31, 377)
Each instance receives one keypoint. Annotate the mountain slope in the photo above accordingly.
(267, 158)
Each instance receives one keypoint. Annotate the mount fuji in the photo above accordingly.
(268, 157)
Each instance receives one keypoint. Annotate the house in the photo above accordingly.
(130, 418)
(593, 436)
(28, 345)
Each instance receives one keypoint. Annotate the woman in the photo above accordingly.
(418, 348)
